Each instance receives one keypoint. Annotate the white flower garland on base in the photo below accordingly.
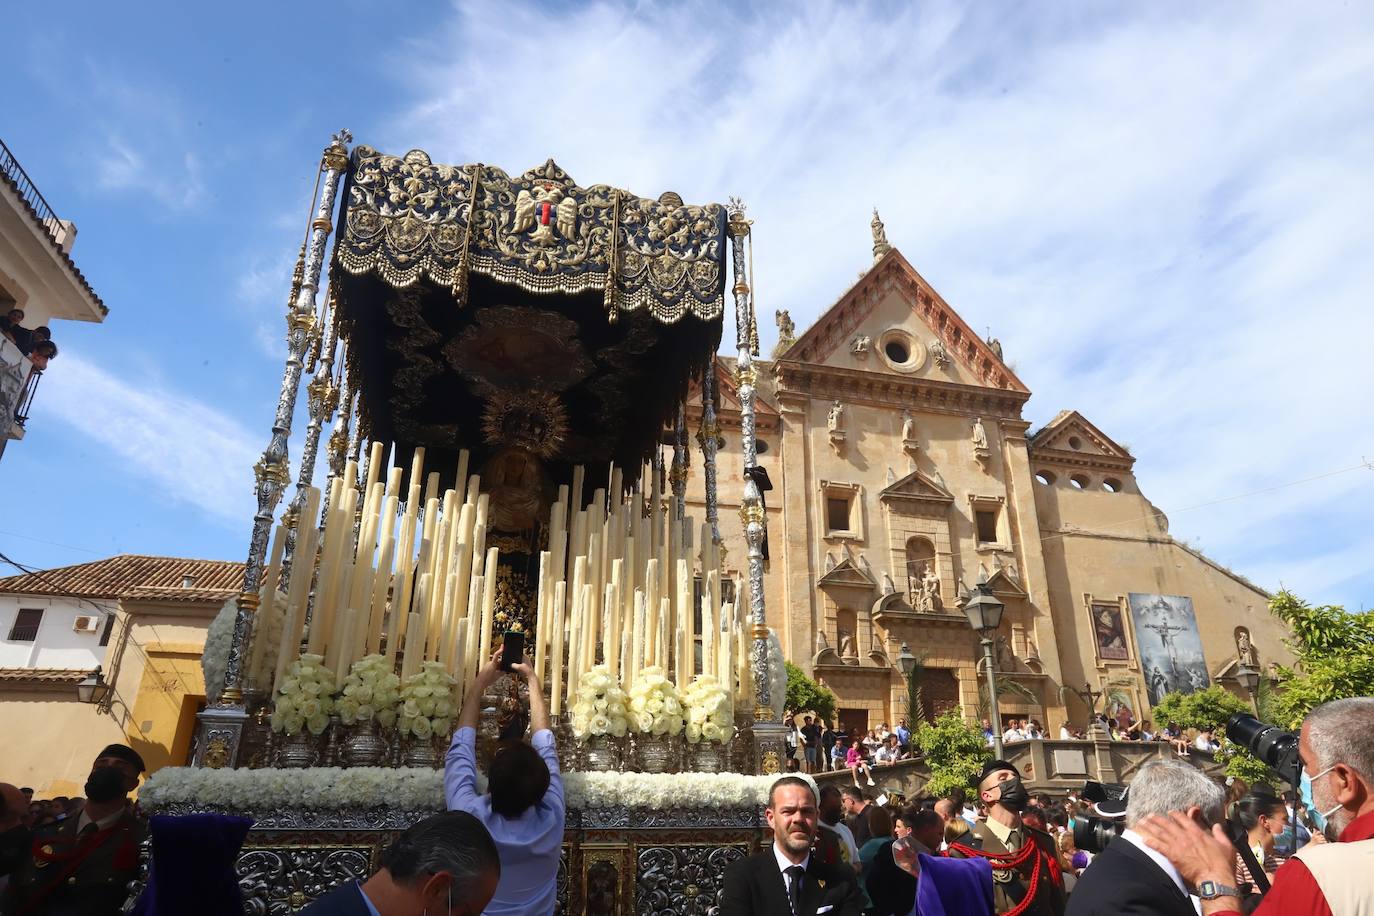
(416, 789)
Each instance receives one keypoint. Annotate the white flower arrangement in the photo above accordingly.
(358, 788)
(710, 715)
(426, 706)
(371, 691)
(214, 657)
(655, 707)
(601, 707)
(305, 697)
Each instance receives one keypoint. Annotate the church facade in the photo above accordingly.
(903, 472)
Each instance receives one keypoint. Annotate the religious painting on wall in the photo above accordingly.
(1110, 630)
(1169, 645)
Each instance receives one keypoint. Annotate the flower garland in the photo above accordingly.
(214, 658)
(371, 690)
(305, 697)
(426, 703)
(360, 788)
(709, 713)
(655, 707)
(601, 706)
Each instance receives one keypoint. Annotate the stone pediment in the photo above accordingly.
(848, 575)
(941, 346)
(1071, 438)
(1005, 584)
(916, 488)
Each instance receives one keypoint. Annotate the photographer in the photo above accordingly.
(1129, 877)
(1336, 747)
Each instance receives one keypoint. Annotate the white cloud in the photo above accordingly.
(1162, 215)
(175, 185)
(190, 453)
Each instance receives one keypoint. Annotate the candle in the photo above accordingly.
(541, 630)
(575, 648)
(488, 606)
(637, 644)
(476, 589)
(556, 704)
(267, 607)
(415, 631)
(344, 658)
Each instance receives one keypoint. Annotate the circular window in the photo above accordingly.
(761, 446)
(1075, 443)
(901, 351)
(1045, 477)
(1111, 485)
(1079, 482)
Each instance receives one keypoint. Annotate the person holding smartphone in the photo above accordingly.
(523, 807)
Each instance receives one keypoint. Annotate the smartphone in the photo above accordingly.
(513, 650)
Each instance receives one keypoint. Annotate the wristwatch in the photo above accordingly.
(1211, 890)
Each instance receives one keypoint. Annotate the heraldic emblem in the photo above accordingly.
(546, 208)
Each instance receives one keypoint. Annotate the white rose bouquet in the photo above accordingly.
(710, 716)
(305, 697)
(371, 691)
(655, 707)
(426, 703)
(214, 657)
(601, 707)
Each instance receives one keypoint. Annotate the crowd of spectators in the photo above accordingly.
(35, 343)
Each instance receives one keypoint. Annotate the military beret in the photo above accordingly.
(125, 753)
(992, 766)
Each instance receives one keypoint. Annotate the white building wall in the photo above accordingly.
(58, 644)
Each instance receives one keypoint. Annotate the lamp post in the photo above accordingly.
(1249, 679)
(906, 663)
(984, 614)
(92, 688)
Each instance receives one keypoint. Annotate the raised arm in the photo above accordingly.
(539, 704)
(489, 674)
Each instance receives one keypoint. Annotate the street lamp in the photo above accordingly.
(1249, 678)
(92, 688)
(984, 613)
(906, 663)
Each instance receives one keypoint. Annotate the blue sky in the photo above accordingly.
(1161, 212)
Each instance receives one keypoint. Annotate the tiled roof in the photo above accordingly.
(71, 265)
(42, 676)
(136, 577)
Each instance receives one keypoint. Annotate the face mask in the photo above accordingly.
(1014, 796)
(1318, 817)
(105, 784)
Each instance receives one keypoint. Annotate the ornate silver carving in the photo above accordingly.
(709, 439)
(279, 881)
(273, 468)
(678, 475)
(682, 880)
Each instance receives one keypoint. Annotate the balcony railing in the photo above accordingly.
(30, 193)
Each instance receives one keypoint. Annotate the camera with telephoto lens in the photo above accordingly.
(1269, 743)
(1109, 803)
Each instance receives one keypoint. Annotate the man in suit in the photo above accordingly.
(784, 879)
(1129, 877)
(82, 865)
(1022, 858)
(444, 864)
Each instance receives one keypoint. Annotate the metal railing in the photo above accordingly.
(21, 412)
(30, 193)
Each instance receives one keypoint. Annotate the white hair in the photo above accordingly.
(1162, 786)
(1339, 732)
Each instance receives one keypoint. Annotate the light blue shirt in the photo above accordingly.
(366, 902)
(529, 845)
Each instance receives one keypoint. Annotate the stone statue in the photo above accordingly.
(821, 642)
(889, 587)
(939, 353)
(835, 421)
(880, 245)
(859, 347)
(847, 649)
(908, 427)
(1003, 655)
(930, 589)
(1245, 649)
(996, 346)
(980, 435)
(787, 331)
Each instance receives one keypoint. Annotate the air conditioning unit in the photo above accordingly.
(86, 624)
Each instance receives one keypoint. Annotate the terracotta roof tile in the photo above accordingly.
(76, 271)
(134, 576)
(42, 675)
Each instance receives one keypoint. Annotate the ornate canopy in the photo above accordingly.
(483, 311)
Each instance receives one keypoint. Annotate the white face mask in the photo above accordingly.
(1320, 817)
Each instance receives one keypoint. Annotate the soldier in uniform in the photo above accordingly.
(1025, 870)
(82, 866)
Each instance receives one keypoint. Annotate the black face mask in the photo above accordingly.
(1014, 796)
(105, 784)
